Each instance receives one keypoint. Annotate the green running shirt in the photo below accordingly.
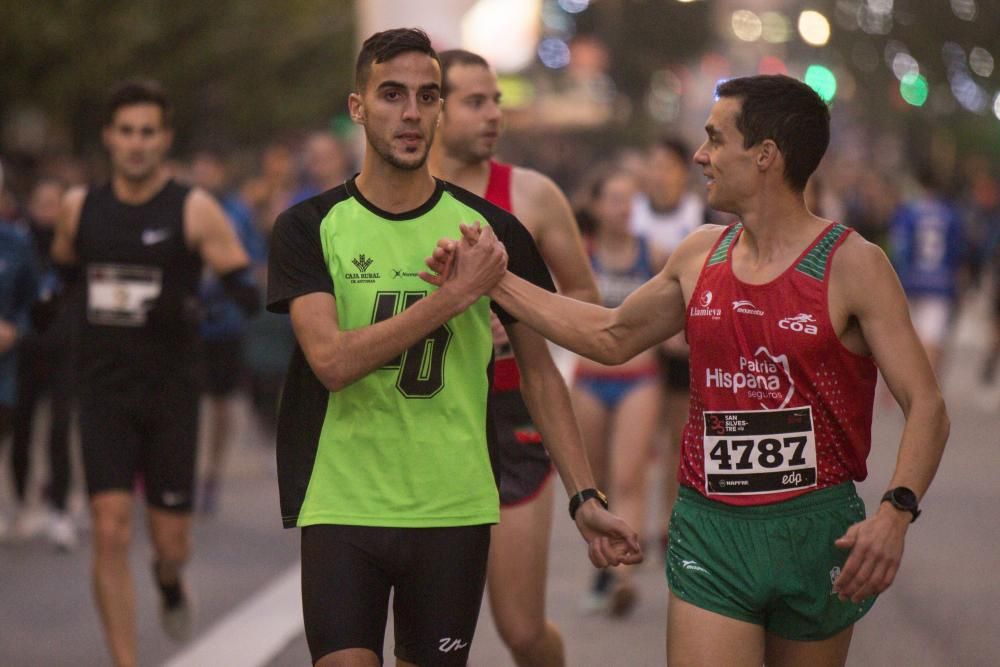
(412, 443)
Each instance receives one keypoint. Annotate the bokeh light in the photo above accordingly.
(772, 65)
(775, 27)
(914, 89)
(903, 64)
(553, 52)
(981, 61)
(874, 22)
(996, 106)
(822, 80)
(746, 25)
(814, 28)
(574, 6)
(965, 9)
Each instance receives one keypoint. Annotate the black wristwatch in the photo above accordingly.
(904, 500)
(580, 497)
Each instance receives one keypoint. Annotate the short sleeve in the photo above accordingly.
(295, 262)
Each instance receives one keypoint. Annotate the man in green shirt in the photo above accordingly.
(385, 439)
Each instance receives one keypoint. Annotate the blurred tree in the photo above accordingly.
(238, 71)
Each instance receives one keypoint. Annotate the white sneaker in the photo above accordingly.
(62, 532)
(29, 524)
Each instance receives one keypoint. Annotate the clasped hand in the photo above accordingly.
(473, 264)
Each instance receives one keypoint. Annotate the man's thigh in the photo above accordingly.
(345, 588)
(698, 637)
(437, 599)
(518, 563)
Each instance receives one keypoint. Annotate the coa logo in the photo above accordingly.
(801, 323)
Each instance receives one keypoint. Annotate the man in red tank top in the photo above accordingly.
(462, 154)
(788, 316)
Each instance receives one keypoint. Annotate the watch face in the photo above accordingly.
(904, 497)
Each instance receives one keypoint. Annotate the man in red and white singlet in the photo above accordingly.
(788, 316)
(462, 154)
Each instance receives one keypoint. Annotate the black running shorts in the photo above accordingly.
(524, 464)
(436, 575)
(151, 432)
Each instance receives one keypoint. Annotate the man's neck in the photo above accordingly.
(393, 189)
(775, 221)
(139, 192)
(471, 176)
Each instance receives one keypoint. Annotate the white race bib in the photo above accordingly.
(121, 294)
(759, 451)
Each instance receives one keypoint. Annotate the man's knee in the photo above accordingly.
(112, 530)
(522, 635)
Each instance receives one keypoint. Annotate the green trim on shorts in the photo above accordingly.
(770, 565)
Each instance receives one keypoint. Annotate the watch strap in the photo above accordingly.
(582, 496)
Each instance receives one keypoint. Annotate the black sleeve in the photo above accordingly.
(295, 264)
(523, 259)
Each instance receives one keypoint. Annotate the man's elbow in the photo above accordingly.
(944, 421)
(329, 370)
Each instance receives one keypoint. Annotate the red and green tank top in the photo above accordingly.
(779, 407)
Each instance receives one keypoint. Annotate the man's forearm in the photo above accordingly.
(574, 325)
(547, 399)
(353, 354)
(922, 444)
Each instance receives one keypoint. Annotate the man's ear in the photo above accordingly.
(766, 154)
(356, 107)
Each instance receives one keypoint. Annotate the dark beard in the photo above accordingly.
(385, 152)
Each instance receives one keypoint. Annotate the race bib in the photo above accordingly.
(759, 451)
(121, 295)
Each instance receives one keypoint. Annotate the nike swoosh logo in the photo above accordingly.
(154, 236)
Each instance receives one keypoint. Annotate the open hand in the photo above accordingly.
(876, 550)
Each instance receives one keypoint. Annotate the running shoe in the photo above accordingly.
(597, 598)
(29, 524)
(61, 532)
(622, 600)
(176, 612)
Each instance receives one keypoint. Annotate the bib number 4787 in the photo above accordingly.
(759, 451)
(421, 367)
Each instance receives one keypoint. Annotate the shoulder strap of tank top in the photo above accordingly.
(498, 185)
(721, 250)
(815, 263)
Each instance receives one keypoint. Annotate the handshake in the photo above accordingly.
(471, 265)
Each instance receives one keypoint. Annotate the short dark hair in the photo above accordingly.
(788, 112)
(139, 91)
(452, 57)
(386, 45)
(674, 146)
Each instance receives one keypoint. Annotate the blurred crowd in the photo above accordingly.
(941, 230)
